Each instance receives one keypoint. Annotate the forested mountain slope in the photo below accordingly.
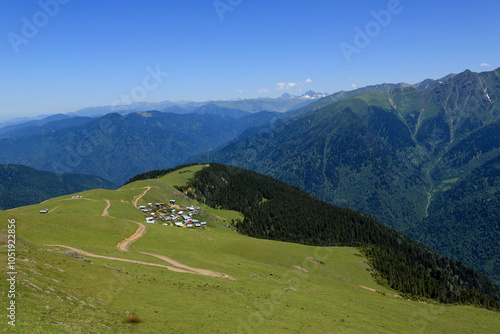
(21, 185)
(275, 210)
(392, 154)
(116, 147)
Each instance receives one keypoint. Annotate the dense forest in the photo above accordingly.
(275, 210)
(23, 185)
(116, 147)
(466, 212)
(414, 157)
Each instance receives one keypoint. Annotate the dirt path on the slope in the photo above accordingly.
(204, 272)
(82, 252)
(367, 288)
(181, 268)
(53, 209)
(124, 245)
(105, 212)
(138, 197)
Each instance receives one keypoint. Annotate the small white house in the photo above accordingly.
(178, 224)
(172, 201)
(203, 223)
(44, 211)
(142, 207)
(197, 225)
(190, 224)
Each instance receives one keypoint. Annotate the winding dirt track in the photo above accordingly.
(105, 212)
(138, 197)
(82, 252)
(124, 246)
(198, 271)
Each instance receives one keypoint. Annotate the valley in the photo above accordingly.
(249, 167)
(402, 154)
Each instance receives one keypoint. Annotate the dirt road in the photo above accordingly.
(124, 245)
(198, 271)
(138, 197)
(84, 253)
(181, 268)
(105, 212)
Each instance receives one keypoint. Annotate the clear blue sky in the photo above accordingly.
(91, 53)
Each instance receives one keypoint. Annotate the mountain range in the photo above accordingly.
(116, 147)
(421, 158)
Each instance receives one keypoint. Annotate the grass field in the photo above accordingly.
(278, 288)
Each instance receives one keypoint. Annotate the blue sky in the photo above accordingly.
(64, 55)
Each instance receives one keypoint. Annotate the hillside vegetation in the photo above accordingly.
(271, 286)
(23, 185)
(277, 211)
(403, 155)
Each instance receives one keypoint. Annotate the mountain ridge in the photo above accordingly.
(385, 152)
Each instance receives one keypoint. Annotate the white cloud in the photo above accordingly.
(281, 85)
(288, 85)
(485, 64)
(263, 90)
(239, 91)
(354, 82)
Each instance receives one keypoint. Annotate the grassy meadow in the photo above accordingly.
(278, 287)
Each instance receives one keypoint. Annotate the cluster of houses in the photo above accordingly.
(178, 218)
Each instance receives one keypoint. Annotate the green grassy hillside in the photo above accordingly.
(225, 282)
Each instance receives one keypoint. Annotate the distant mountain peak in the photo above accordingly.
(312, 95)
(309, 95)
(287, 96)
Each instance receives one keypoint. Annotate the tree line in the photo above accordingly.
(275, 210)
